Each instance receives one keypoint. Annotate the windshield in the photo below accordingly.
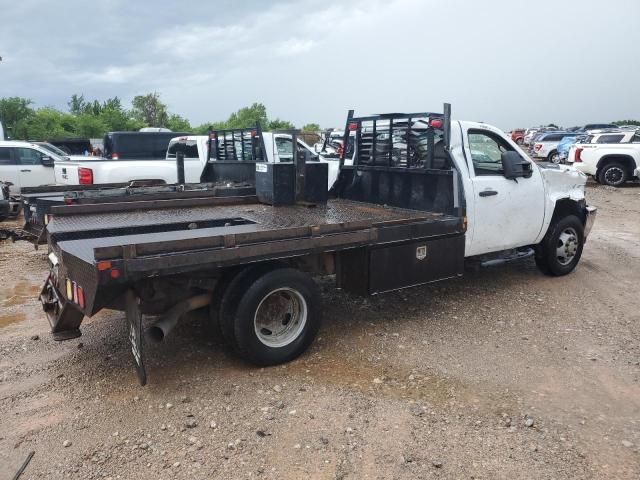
(52, 148)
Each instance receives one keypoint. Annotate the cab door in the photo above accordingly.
(9, 169)
(31, 170)
(507, 213)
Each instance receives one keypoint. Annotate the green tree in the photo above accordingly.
(77, 104)
(277, 124)
(178, 123)
(247, 117)
(44, 124)
(90, 126)
(14, 110)
(627, 122)
(311, 127)
(150, 110)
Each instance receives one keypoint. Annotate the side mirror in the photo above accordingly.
(47, 161)
(317, 148)
(514, 166)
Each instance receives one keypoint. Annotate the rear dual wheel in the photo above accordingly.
(269, 315)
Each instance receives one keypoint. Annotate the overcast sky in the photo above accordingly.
(510, 63)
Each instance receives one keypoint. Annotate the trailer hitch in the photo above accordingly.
(134, 319)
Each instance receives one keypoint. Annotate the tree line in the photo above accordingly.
(93, 118)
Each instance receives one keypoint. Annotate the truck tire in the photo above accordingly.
(226, 297)
(561, 249)
(613, 174)
(277, 316)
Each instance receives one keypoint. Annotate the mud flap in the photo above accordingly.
(134, 319)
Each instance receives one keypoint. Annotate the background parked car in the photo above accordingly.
(609, 163)
(517, 135)
(72, 146)
(532, 132)
(597, 126)
(609, 136)
(564, 146)
(545, 146)
(26, 164)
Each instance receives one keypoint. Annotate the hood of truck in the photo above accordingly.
(563, 181)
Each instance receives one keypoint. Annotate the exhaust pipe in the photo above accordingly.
(169, 320)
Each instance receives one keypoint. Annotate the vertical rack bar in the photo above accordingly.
(242, 144)
(408, 141)
(345, 144)
(233, 144)
(390, 161)
(447, 125)
(209, 145)
(373, 142)
(258, 146)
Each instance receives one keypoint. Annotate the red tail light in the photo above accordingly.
(435, 123)
(340, 150)
(537, 147)
(578, 156)
(85, 176)
(115, 156)
(80, 299)
(353, 126)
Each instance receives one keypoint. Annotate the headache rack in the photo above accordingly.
(409, 140)
(236, 145)
(402, 160)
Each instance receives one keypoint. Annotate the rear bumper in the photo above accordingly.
(590, 218)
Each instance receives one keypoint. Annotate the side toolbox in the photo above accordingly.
(386, 268)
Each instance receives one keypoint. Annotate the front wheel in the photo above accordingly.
(277, 317)
(613, 174)
(561, 249)
(554, 157)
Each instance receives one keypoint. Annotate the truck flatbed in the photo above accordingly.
(151, 232)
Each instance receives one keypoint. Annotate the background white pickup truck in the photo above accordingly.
(610, 164)
(97, 170)
(25, 164)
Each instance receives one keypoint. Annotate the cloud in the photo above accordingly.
(311, 60)
(294, 46)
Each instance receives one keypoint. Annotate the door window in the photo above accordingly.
(28, 156)
(285, 148)
(486, 152)
(5, 156)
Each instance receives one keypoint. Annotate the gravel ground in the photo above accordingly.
(505, 373)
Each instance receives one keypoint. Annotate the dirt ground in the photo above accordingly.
(505, 373)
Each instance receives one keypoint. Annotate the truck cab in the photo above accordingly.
(25, 164)
(506, 212)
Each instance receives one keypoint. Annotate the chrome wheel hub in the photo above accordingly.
(280, 317)
(567, 246)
